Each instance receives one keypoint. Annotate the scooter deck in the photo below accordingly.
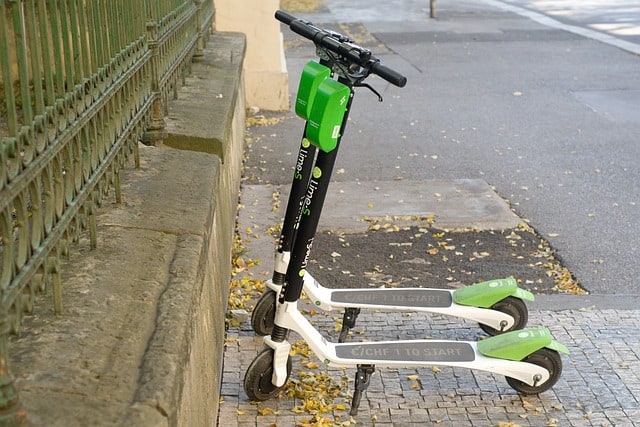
(408, 351)
(432, 300)
(410, 297)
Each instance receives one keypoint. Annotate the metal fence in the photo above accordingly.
(82, 81)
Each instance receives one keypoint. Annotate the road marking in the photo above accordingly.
(550, 22)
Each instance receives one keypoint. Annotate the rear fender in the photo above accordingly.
(486, 294)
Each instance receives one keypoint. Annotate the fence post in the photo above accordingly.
(199, 21)
(13, 414)
(156, 130)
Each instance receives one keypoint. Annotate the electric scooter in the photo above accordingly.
(529, 358)
(497, 305)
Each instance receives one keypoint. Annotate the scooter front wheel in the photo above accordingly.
(264, 313)
(257, 379)
(547, 359)
(515, 308)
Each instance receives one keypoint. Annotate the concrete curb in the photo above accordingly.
(209, 117)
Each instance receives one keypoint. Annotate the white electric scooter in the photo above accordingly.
(529, 358)
(497, 305)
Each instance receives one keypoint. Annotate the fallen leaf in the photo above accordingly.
(267, 411)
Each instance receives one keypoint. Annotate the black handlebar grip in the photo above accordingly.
(303, 29)
(389, 75)
(284, 17)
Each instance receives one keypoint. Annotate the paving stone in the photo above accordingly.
(599, 385)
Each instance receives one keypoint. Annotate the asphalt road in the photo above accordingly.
(617, 18)
(548, 117)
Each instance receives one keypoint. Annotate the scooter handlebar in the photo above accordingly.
(284, 17)
(388, 74)
(307, 31)
(353, 53)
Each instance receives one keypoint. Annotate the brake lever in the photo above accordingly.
(368, 86)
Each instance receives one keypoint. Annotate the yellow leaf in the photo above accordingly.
(435, 369)
(413, 377)
(267, 411)
(240, 412)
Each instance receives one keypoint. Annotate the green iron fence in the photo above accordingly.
(81, 82)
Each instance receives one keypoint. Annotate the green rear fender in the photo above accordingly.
(516, 345)
(486, 294)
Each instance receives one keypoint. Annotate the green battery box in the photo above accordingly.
(312, 75)
(327, 112)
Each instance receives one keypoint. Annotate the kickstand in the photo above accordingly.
(362, 383)
(348, 322)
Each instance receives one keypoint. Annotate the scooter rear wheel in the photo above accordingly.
(264, 313)
(257, 379)
(547, 359)
(515, 308)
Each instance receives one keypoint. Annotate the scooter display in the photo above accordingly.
(528, 358)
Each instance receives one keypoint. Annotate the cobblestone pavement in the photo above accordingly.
(599, 385)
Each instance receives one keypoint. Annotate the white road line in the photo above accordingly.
(550, 22)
